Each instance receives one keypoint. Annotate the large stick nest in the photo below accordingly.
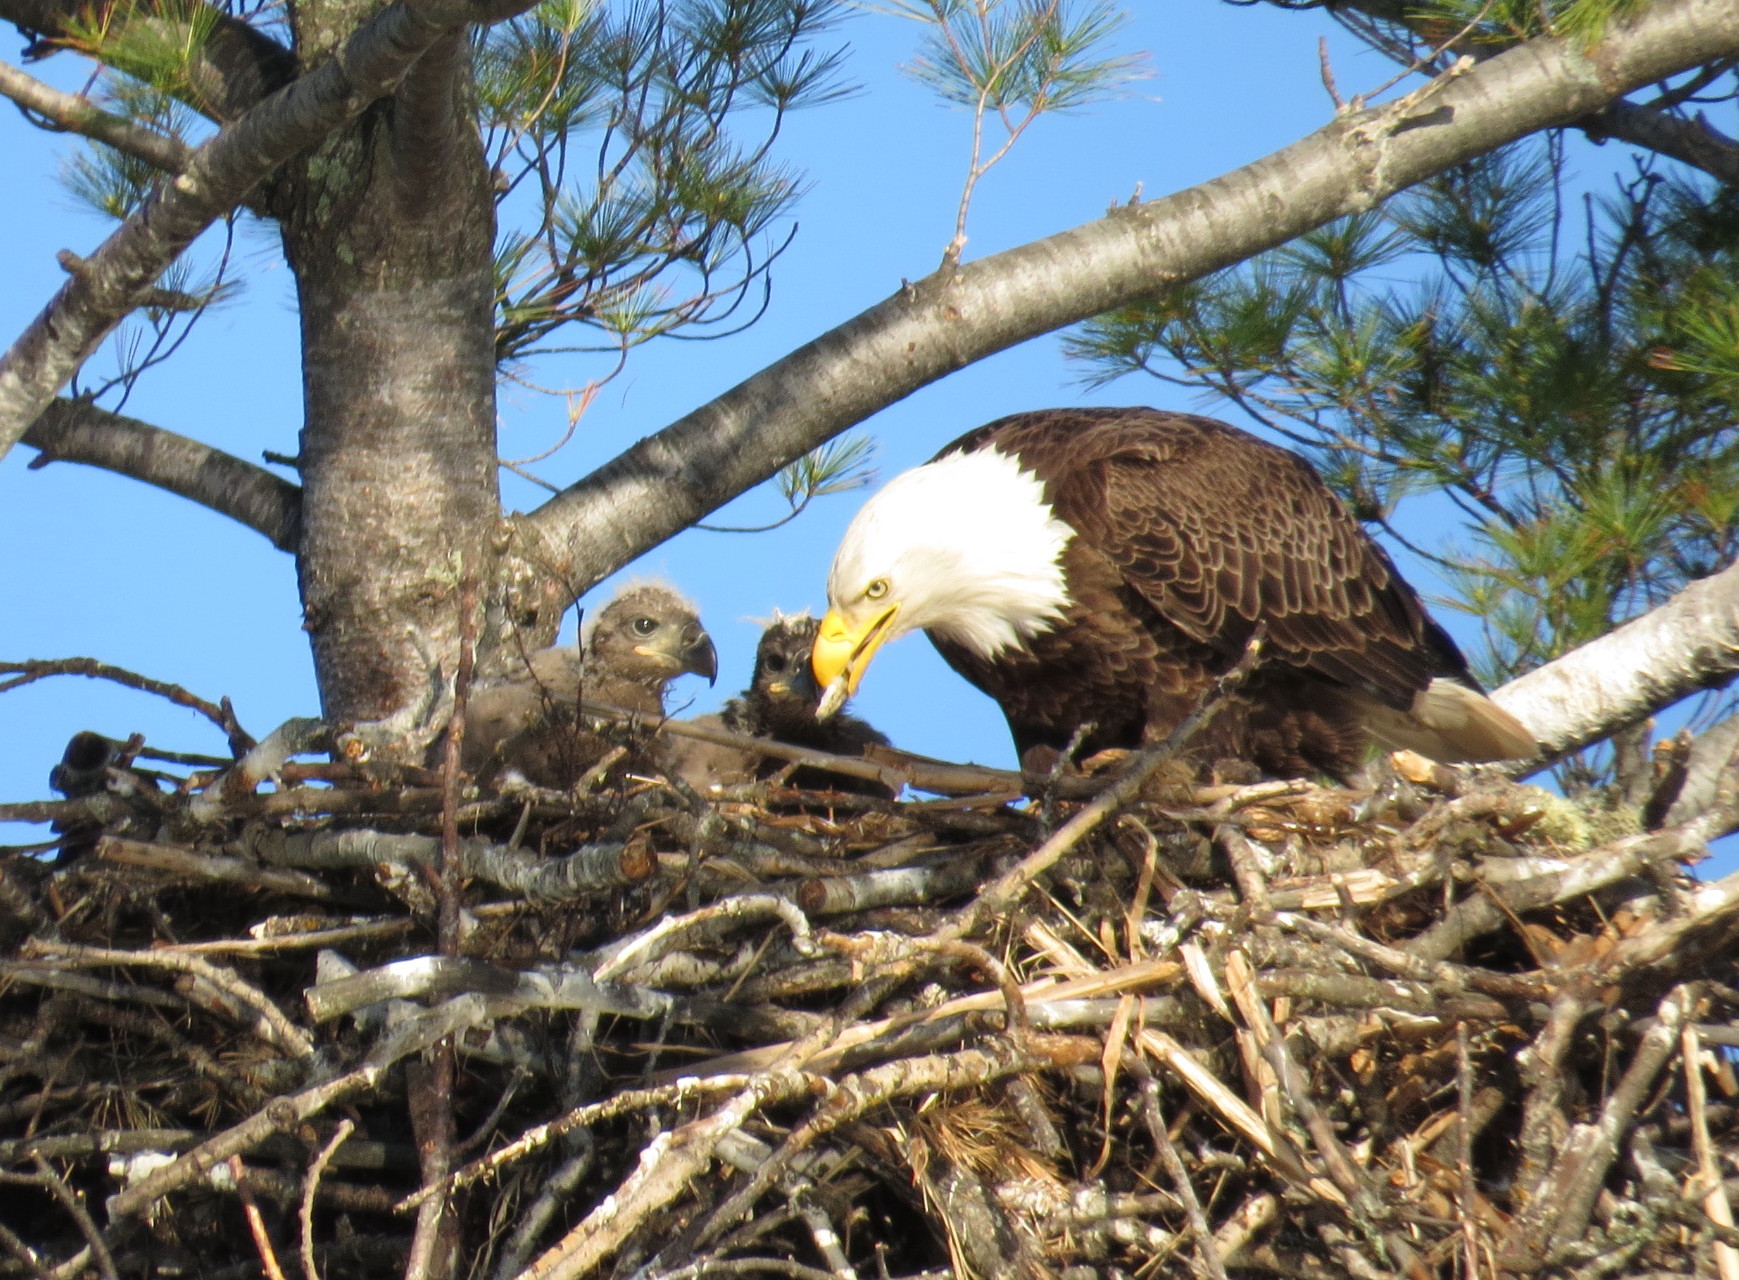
(1451, 1026)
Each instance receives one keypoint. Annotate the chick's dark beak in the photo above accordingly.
(699, 656)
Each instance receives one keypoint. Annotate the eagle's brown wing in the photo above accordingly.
(1219, 531)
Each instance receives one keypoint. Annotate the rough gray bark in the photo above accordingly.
(388, 225)
(390, 236)
(1689, 643)
(951, 319)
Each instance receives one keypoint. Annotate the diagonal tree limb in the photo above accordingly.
(369, 65)
(1688, 644)
(948, 320)
(76, 113)
(1692, 142)
(237, 64)
(78, 431)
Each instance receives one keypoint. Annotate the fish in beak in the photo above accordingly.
(843, 652)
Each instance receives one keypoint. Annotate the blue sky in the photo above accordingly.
(105, 567)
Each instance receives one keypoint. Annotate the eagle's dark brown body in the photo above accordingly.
(1190, 533)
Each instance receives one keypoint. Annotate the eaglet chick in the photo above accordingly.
(529, 722)
(779, 703)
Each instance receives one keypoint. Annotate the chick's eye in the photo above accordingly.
(645, 626)
(877, 589)
(775, 662)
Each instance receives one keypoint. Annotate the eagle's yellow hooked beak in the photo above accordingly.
(842, 653)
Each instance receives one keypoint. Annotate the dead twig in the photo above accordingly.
(311, 1186)
(219, 713)
(256, 1224)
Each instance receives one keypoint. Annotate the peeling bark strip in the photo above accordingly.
(217, 178)
(669, 480)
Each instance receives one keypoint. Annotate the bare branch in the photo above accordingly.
(78, 431)
(1590, 1149)
(310, 1185)
(78, 114)
(1711, 759)
(925, 331)
(227, 989)
(1481, 913)
(1693, 142)
(17, 674)
(370, 65)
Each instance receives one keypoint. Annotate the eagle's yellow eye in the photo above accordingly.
(877, 589)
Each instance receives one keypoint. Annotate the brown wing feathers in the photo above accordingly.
(1275, 547)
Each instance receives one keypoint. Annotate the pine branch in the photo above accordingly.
(370, 65)
(75, 113)
(238, 65)
(78, 431)
(929, 329)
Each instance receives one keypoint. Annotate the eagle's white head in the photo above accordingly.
(965, 547)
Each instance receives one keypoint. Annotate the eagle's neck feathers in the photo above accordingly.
(971, 548)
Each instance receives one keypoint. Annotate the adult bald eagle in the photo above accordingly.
(1103, 567)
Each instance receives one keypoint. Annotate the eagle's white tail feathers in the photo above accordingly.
(1453, 724)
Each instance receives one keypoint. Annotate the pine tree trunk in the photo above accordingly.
(388, 228)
